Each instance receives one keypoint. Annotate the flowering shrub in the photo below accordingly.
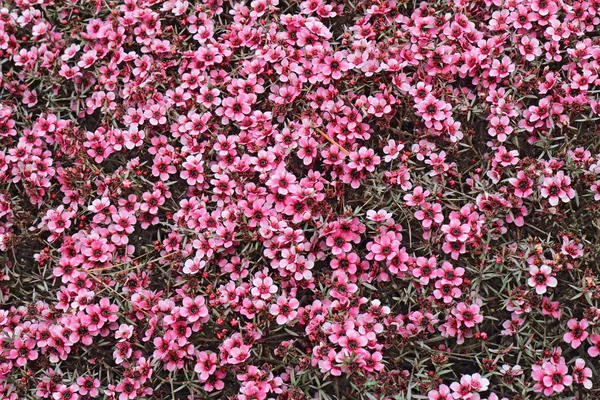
(369, 199)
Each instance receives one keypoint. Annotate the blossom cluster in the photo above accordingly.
(312, 199)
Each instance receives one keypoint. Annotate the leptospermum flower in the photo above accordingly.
(468, 385)
(594, 350)
(541, 278)
(23, 351)
(430, 213)
(418, 196)
(551, 378)
(577, 332)
(557, 188)
(582, 374)
(468, 315)
(352, 341)
(432, 109)
(194, 309)
(263, 288)
(206, 365)
(456, 231)
(522, 184)
(334, 66)
(88, 386)
(442, 393)
(425, 269)
(284, 309)
(67, 392)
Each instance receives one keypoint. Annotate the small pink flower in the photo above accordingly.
(442, 393)
(334, 66)
(468, 315)
(557, 188)
(429, 213)
(577, 333)
(502, 68)
(23, 351)
(194, 309)
(522, 184)
(555, 378)
(66, 392)
(541, 278)
(425, 269)
(352, 341)
(500, 128)
(88, 386)
(372, 362)
(285, 309)
(431, 108)
(582, 374)
(263, 288)
(594, 350)
(206, 365)
(505, 157)
(456, 231)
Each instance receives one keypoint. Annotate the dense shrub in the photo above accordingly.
(299, 199)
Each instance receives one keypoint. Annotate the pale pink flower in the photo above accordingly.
(541, 278)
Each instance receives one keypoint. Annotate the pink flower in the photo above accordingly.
(285, 309)
(392, 150)
(577, 333)
(88, 386)
(551, 308)
(98, 250)
(594, 350)
(551, 378)
(468, 315)
(468, 385)
(446, 292)
(522, 184)
(206, 365)
(372, 362)
(502, 68)
(442, 393)
(234, 108)
(378, 106)
(505, 157)
(193, 170)
(528, 47)
(152, 201)
(22, 351)
(582, 374)
(334, 66)
(352, 341)
(557, 188)
(263, 288)
(384, 247)
(155, 114)
(456, 231)
(429, 213)
(128, 389)
(124, 332)
(417, 197)
(499, 127)
(342, 288)
(194, 309)
(66, 392)
(571, 248)
(541, 278)
(431, 108)
(281, 181)
(364, 159)
(425, 269)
